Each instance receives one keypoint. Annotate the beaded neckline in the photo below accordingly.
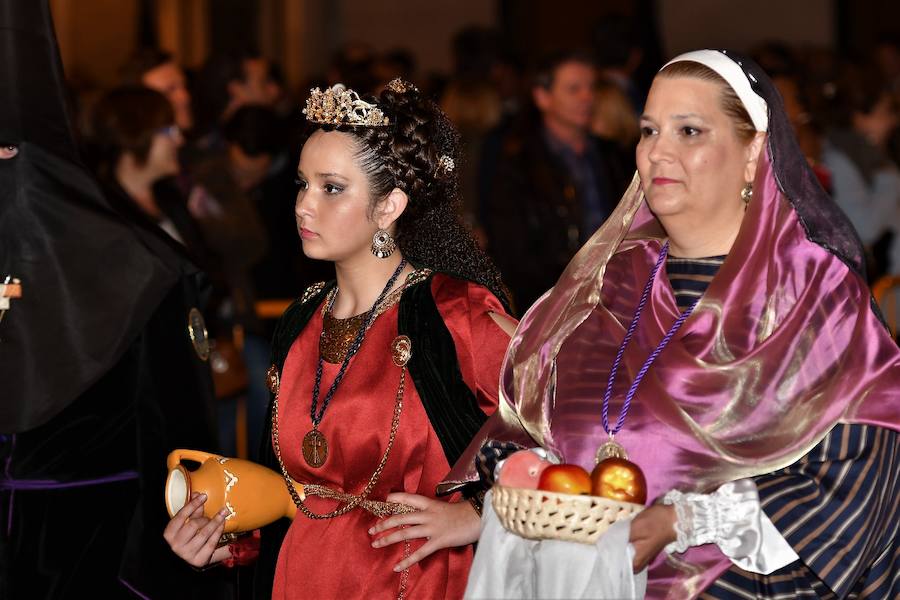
(338, 333)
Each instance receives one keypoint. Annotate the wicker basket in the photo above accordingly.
(540, 515)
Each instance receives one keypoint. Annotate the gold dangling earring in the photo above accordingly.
(383, 244)
(747, 194)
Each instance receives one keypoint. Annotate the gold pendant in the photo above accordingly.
(611, 449)
(198, 334)
(315, 448)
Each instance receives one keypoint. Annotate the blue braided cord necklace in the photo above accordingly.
(611, 447)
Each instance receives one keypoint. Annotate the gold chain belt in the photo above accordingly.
(376, 507)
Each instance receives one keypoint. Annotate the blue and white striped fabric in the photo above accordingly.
(690, 277)
(839, 508)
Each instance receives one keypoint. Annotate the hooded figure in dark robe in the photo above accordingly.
(103, 365)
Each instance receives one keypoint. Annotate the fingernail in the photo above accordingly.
(371, 531)
(203, 496)
(397, 569)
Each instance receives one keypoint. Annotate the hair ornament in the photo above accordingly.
(446, 164)
(339, 105)
(401, 86)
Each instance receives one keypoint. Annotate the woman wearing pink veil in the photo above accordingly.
(719, 326)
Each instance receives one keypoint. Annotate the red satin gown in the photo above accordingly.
(334, 558)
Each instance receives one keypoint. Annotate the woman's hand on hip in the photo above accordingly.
(651, 531)
(194, 537)
(441, 524)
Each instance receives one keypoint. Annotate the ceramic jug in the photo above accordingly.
(253, 494)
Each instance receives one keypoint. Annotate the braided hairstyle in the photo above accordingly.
(409, 155)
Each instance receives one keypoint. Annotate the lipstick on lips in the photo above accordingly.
(306, 234)
(663, 181)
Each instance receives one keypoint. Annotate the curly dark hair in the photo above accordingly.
(407, 155)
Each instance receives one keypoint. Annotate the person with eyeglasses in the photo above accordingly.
(136, 141)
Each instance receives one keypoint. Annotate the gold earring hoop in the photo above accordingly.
(747, 193)
(383, 244)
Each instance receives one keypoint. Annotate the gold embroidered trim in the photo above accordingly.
(311, 291)
(416, 277)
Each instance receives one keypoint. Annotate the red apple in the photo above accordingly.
(522, 469)
(565, 479)
(619, 479)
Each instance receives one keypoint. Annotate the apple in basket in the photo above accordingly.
(565, 479)
(619, 479)
(522, 470)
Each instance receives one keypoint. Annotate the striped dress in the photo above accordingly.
(838, 506)
(690, 277)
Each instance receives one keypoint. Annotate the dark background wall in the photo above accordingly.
(97, 35)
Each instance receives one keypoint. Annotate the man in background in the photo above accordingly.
(555, 183)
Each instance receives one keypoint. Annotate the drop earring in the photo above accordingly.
(747, 194)
(383, 244)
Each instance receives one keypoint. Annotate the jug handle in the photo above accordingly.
(176, 456)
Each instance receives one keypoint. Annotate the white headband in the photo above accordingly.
(731, 72)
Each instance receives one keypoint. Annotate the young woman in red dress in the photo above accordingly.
(381, 378)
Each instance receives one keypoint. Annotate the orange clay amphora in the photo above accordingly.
(253, 494)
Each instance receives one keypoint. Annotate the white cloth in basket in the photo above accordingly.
(509, 566)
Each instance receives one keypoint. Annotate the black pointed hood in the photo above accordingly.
(32, 96)
(90, 279)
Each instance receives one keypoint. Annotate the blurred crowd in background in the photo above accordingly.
(210, 155)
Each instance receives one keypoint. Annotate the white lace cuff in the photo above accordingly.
(731, 518)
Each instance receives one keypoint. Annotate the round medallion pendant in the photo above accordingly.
(315, 448)
(401, 350)
(611, 449)
(198, 334)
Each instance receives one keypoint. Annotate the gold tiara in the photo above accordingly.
(338, 105)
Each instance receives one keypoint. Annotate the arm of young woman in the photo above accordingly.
(442, 524)
(480, 343)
